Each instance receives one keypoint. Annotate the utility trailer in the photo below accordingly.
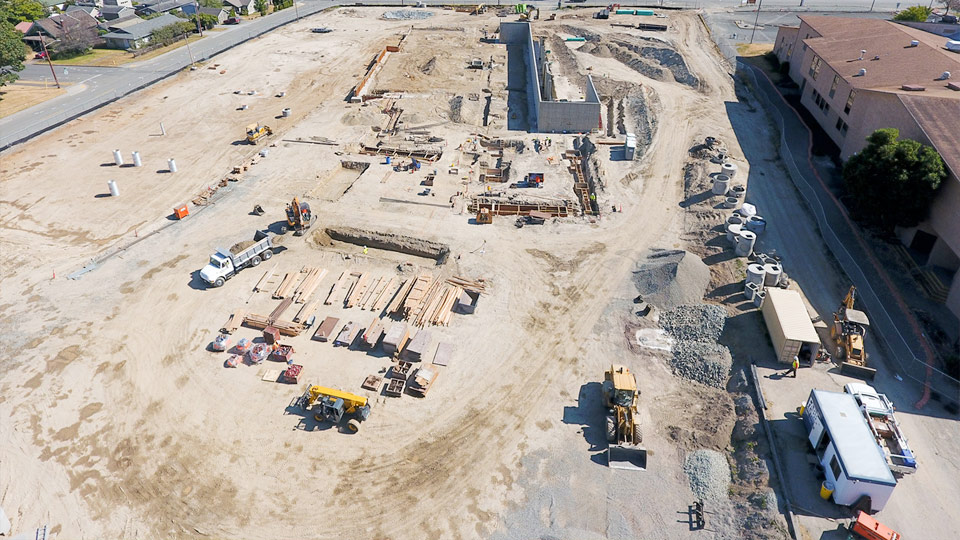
(224, 264)
(879, 413)
(847, 451)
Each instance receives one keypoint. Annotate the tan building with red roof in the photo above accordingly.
(860, 75)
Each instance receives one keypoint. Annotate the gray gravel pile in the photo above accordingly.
(671, 278)
(702, 361)
(406, 14)
(709, 475)
(694, 322)
(697, 355)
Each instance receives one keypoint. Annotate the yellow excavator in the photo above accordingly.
(336, 406)
(299, 216)
(848, 331)
(620, 397)
(256, 132)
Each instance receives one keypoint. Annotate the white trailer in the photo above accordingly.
(846, 449)
(789, 326)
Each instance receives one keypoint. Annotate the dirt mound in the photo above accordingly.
(597, 49)
(387, 241)
(240, 246)
(664, 56)
(361, 117)
(671, 278)
(427, 68)
(581, 32)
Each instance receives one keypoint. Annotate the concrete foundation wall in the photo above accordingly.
(547, 116)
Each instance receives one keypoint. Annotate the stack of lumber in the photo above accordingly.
(413, 303)
(287, 328)
(341, 282)
(424, 300)
(304, 293)
(357, 292)
(440, 306)
(286, 286)
(381, 295)
(477, 285)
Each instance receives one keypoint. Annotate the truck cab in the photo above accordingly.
(218, 270)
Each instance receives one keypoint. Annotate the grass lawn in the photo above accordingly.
(21, 95)
(98, 57)
(166, 49)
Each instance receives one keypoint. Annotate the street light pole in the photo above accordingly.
(756, 21)
(196, 12)
(296, 9)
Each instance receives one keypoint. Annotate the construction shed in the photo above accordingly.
(789, 326)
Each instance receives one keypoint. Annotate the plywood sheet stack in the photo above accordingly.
(341, 282)
(304, 294)
(413, 303)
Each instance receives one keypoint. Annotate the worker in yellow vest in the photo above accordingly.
(795, 366)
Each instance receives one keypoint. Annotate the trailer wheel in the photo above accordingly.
(353, 425)
(611, 429)
(318, 417)
(219, 282)
(267, 254)
(255, 261)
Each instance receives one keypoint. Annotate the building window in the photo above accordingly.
(850, 98)
(833, 87)
(804, 46)
(835, 468)
(842, 127)
(815, 67)
(821, 101)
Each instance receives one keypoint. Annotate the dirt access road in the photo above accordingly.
(122, 425)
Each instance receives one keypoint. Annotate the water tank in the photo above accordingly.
(136, 160)
(117, 158)
(745, 242)
(285, 112)
(114, 191)
(772, 274)
(755, 273)
(171, 165)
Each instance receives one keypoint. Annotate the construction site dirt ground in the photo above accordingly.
(120, 423)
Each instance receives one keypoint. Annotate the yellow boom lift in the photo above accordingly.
(336, 406)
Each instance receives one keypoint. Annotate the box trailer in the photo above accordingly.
(789, 326)
(847, 450)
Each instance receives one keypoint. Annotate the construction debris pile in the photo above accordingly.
(697, 355)
(671, 278)
(709, 475)
(407, 15)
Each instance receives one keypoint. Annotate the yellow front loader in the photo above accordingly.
(624, 435)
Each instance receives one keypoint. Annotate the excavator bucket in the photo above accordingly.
(857, 370)
(630, 458)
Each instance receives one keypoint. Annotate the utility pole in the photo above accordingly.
(46, 55)
(296, 9)
(182, 33)
(196, 12)
(756, 22)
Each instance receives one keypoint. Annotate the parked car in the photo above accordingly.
(40, 55)
(232, 20)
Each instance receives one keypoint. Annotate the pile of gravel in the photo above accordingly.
(694, 322)
(709, 475)
(407, 14)
(697, 355)
(671, 278)
(702, 361)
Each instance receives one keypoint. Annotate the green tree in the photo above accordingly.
(914, 13)
(951, 4)
(12, 53)
(206, 21)
(210, 3)
(261, 6)
(892, 181)
(15, 11)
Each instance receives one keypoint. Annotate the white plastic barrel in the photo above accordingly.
(117, 157)
(114, 190)
(172, 165)
(136, 160)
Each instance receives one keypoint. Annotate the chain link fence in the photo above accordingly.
(905, 351)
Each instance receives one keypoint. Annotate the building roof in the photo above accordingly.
(237, 3)
(792, 315)
(23, 27)
(53, 26)
(116, 10)
(143, 28)
(90, 10)
(890, 61)
(938, 118)
(165, 5)
(857, 449)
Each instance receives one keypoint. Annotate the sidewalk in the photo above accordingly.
(910, 354)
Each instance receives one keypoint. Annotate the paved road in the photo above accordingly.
(95, 86)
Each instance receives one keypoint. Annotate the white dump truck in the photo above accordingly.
(225, 263)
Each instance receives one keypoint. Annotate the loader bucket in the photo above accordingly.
(631, 458)
(856, 370)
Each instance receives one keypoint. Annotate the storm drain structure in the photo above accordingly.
(545, 114)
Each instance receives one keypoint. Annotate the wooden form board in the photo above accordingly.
(233, 322)
(341, 281)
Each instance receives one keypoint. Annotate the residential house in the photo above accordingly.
(243, 7)
(23, 27)
(122, 22)
(219, 12)
(134, 36)
(51, 5)
(57, 27)
(163, 6)
(112, 13)
(859, 75)
(127, 3)
(93, 11)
